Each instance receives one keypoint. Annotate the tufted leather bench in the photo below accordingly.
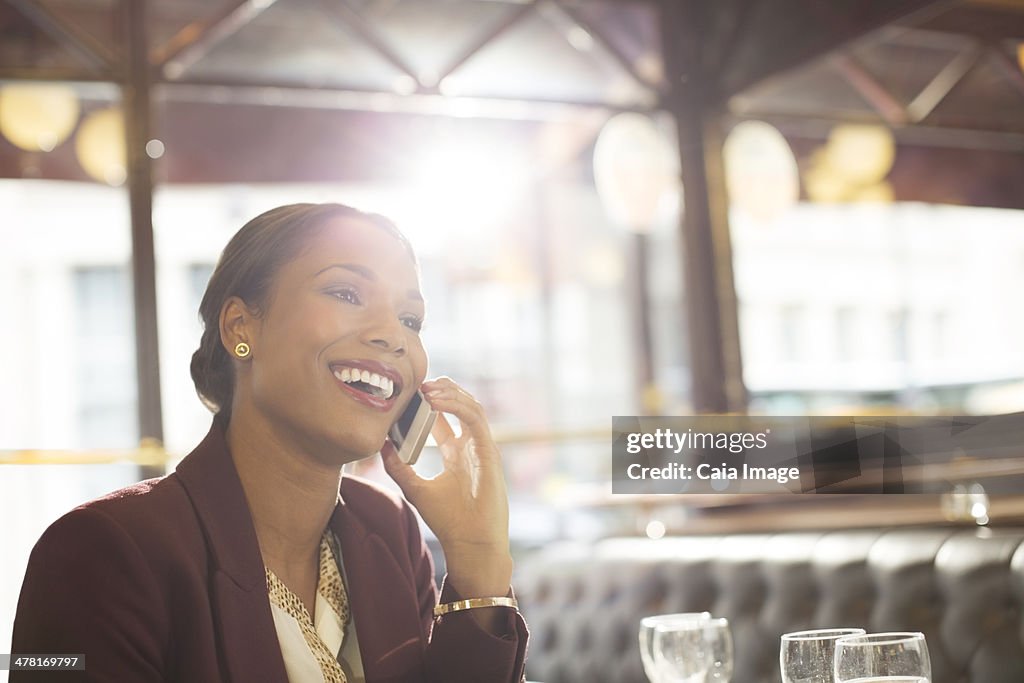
(963, 588)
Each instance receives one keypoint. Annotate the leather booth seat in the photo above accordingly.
(963, 588)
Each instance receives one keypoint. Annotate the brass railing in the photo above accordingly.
(152, 453)
(148, 454)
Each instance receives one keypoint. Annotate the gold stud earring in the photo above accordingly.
(242, 349)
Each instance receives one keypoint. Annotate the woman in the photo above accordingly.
(256, 560)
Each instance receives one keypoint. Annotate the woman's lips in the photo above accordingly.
(381, 404)
(383, 380)
(368, 368)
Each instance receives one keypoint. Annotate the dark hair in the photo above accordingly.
(246, 269)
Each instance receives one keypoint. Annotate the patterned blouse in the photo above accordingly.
(322, 648)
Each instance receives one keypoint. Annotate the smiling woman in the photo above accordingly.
(256, 559)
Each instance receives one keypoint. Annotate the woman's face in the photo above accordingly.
(337, 354)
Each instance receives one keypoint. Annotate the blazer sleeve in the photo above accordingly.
(458, 648)
(89, 590)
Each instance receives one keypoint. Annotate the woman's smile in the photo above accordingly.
(375, 384)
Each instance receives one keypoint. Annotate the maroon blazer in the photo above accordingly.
(164, 581)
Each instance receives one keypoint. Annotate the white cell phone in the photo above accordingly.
(410, 432)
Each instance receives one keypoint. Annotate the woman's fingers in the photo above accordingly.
(447, 442)
(444, 394)
(473, 451)
(466, 505)
(441, 431)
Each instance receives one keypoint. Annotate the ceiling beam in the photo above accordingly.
(604, 45)
(888, 106)
(932, 95)
(343, 14)
(47, 73)
(430, 104)
(1008, 68)
(194, 41)
(990, 24)
(819, 125)
(513, 17)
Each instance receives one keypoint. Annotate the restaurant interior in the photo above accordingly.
(762, 208)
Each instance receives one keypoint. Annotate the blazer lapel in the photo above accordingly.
(382, 599)
(249, 646)
(247, 638)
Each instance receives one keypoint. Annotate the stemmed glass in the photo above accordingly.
(693, 651)
(647, 626)
(883, 658)
(808, 656)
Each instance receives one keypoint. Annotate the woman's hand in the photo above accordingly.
(466, 505)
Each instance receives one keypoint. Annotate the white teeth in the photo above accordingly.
(386, 385)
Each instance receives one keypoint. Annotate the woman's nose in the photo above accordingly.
(385, 331)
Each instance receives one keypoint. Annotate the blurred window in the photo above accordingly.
(106, 357)
(198, 277)
(846, 333)
(791, 318)
(923, 301)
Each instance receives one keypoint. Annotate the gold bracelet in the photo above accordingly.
(474, 603)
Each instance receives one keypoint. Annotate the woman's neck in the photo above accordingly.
(291, 495)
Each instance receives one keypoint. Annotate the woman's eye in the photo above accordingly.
(349, 295)
(413, 322)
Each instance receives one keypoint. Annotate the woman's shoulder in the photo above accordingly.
(105, 578)
(147, 505)
(153, 515)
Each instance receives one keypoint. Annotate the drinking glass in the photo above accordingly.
(808, 656)
(647, 625)
(693, 651)
(719, 639)
(883, 658)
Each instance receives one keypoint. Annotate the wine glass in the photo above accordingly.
(883, 658)
(808, 656)
(694, 651)
(647, 625)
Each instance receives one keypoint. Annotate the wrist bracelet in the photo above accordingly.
(474, 603)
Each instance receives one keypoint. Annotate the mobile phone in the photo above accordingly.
(412, 428)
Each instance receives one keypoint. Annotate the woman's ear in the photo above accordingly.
(237, 324)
